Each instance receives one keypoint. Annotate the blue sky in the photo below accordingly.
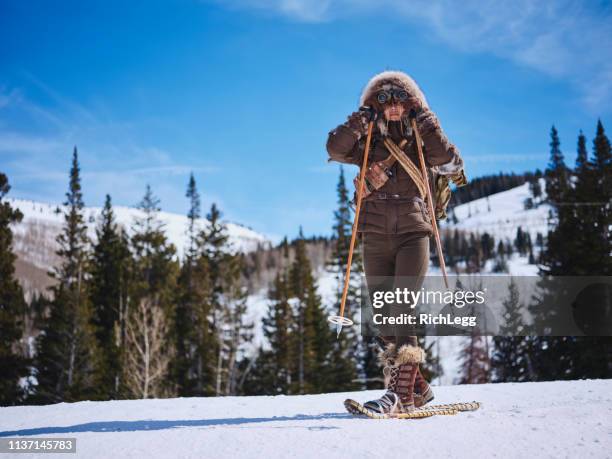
(244, 92)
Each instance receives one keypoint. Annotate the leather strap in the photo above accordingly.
(390, 160)
(407, 165)
(387, 196)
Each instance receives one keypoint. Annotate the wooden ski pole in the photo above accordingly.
(432, 212)
(340, 320)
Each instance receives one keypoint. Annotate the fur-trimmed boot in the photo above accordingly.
(400, 370)
(422, 390)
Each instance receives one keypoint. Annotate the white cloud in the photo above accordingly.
(566, 39)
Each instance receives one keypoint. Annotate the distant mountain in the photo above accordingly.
(498, 214)
(35, 246)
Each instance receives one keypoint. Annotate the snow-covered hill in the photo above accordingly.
(500, 214)
(551, 419)
(35, 236)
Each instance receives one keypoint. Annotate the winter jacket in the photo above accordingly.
(396, 207)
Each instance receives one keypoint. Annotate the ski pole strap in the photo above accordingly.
(407, 164)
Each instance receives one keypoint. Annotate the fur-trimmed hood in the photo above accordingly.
(395, 77)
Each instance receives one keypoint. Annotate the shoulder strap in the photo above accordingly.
(407, 165)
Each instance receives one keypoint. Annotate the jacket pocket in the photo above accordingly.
(413, 217)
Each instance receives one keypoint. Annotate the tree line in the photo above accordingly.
(126, 318)
(578, 243)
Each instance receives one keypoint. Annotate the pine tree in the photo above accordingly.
(510, 361)
(475, 362)
(313, 338)
(535, 189)
(348, 345)
(13, 365)
(278, 328)
(557, 172)
(602, 234)
(432, 367)
(68, 359)
(194, 360)
(227, 300)
(579, 244)
(557, 191)
(519, 241)
(150, 318)
(108, 295)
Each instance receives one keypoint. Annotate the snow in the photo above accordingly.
(41, 224)
(501, 214)
(547, 419)
(35, 234)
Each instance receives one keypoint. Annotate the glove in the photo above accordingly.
(414, 103)
(358, 121)
(427, 122)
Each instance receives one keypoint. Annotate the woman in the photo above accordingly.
(394, 222)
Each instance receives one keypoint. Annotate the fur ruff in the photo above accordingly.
(386, 355)
(395, 77)
(409, 354)
(406, 354)
(399, 79)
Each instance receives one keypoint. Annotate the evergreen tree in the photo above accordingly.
(278, 328)
(501, 265)
(349, 349)
(195, 341)
(579, 244)
(432, 367)
(68, 361)
(582, 158)
(227, 305)
(519, 241)
(150, 319)
(13, 366)
(557, 172)
(557, 191)
(510, 361)
(535, 189)
(475, 361)
(313, 337)
(601, 231)
(108, 295)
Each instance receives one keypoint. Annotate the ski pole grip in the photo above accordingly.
(370, 112)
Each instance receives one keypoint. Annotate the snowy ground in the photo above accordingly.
(553, 419)
(500, 214)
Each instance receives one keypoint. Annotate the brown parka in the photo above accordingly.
(396, 207)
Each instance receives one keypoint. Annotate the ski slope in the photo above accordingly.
(500, 214)
(549, 419)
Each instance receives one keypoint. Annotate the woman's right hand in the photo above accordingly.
(358, 122)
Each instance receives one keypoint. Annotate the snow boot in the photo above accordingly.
(422, 391)
(400, 371)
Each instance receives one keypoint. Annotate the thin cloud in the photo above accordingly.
(12, 142)
(565, 39)
(36, 141)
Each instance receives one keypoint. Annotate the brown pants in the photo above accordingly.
(395, 261)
